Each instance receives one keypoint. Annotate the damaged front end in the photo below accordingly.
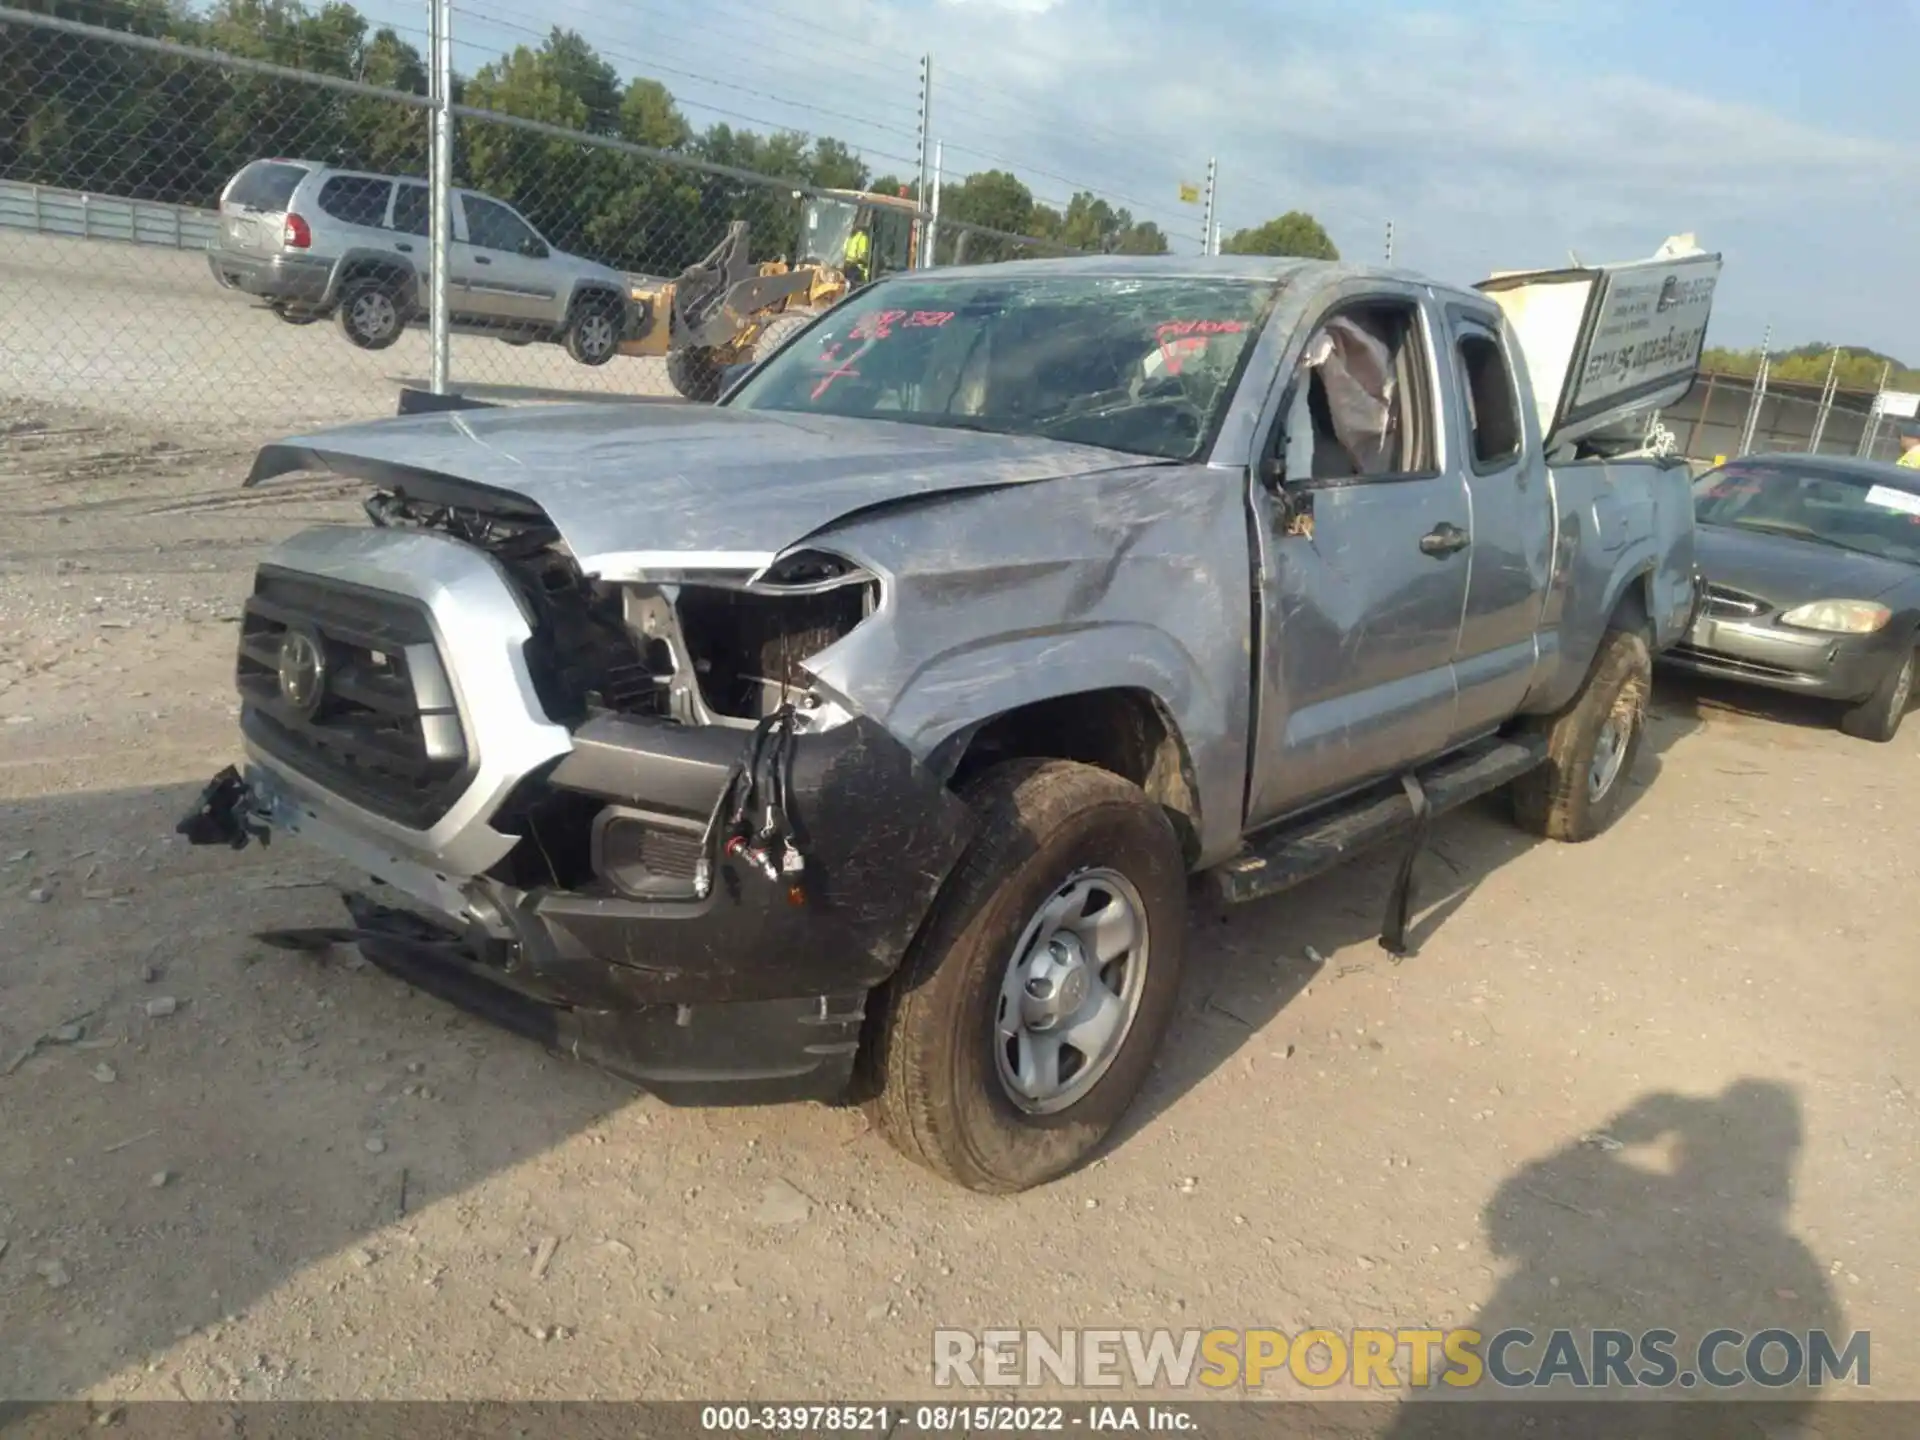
(620, 815)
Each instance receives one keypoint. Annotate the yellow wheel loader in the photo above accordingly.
(726, 309)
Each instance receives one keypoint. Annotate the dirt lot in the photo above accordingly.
(252, 1175)
(137, 331)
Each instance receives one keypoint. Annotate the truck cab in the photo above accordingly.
(832, 218)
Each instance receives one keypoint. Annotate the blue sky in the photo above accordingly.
(1494, 135)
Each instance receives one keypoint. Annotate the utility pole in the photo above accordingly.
(1209, 241)
(1759, 393)
(1826, 402)
(930, 255)
(440, 196)
(1389, 242)
(926, 122)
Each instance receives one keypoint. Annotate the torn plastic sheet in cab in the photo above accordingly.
(1356, 371)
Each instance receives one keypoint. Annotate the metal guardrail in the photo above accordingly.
(84, 216)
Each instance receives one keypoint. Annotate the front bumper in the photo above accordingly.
(1760, 652)
(293, 279)
(741, 996)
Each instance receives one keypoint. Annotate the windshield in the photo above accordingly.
(1142, 366)
(829, 226)
(1830, 507)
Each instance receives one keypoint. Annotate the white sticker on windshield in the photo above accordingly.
(1891, 499)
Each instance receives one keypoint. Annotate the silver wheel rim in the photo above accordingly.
(1903, 688)
(1609, 754)
(373, 314)
(596, 335)
(1071, 990)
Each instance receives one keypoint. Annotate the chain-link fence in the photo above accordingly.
(205, 239)
(1719, 414)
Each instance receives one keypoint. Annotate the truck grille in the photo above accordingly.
(375, 723)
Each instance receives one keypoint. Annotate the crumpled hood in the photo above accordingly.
(648, 488)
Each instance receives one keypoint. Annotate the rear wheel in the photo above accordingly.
(371, 313)
(593, 330)
(1028, 1013)
(695, 373)
(780, 329)
(1878, 717)
(1591, 746)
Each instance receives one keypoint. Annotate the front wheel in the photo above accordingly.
(1591, 746)
(1878, 717)
(1026, 1016)
(695, 373)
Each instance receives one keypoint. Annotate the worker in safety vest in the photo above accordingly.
(859, 250)
(1910, 449)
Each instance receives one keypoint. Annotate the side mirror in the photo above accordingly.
(533, 249)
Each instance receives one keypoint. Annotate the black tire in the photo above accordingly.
(294, 317)
(593, 329)
(1047, 827)
(372, 314)
(1564, 799)
(781, 328)
(1878, 717)
(695, 374)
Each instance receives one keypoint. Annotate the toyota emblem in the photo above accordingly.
(303, 671)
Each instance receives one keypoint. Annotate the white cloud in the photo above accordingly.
(1484, 153)
(1487, 146)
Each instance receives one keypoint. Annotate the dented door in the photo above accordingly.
(1363, 580)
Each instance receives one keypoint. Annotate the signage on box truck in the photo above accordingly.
(1650, 325)
(1606, 343)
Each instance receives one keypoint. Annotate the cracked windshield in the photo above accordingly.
(1144, 367)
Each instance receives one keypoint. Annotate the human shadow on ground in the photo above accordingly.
(1675, 1217)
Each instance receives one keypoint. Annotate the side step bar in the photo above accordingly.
(1286, 855)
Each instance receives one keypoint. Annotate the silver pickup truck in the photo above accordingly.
(856, 737)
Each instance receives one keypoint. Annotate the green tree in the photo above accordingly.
(1858, 369)
(835, 167)
(1294, 233)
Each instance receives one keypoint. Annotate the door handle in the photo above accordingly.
(1443, 539)
(407, 248)
(482, 260)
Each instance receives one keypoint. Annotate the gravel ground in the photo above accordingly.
(1665, 1079)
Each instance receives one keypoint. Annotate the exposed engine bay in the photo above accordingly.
(720, 651)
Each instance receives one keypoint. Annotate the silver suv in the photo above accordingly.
(314, 241)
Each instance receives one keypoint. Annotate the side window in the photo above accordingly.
(1492, 414)
(494, 227)
(410, 210)
(1361, 407)
(356, 199)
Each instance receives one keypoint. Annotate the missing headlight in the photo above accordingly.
(748, 645)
